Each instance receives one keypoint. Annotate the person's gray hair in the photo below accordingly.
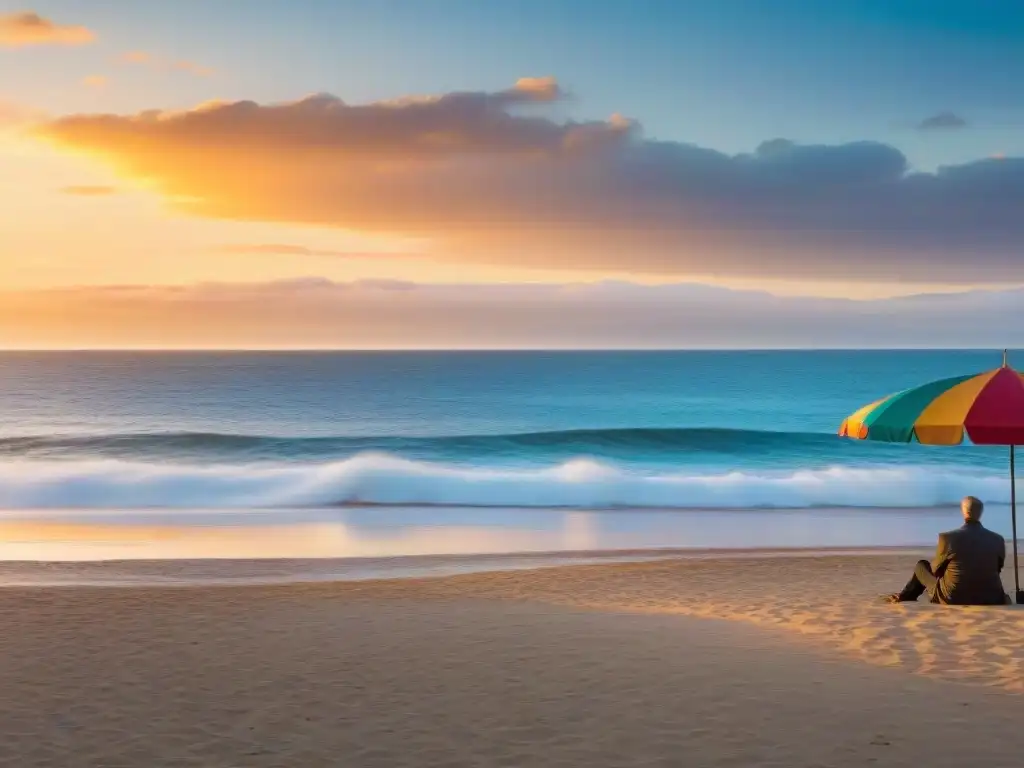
(973, 507)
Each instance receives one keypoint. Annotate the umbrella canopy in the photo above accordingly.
(987, 407)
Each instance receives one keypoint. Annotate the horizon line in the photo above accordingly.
(326, 350)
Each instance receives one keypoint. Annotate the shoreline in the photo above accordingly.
(256, 572)
(314, 510)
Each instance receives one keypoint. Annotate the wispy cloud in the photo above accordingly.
(183, 65)
(136, 57)
(27, 28)
(486, 183)
(285, 249)
(146, 59)
(88, 190)
(14, 115)
(95, 81)
(943, 121)
(314, 312)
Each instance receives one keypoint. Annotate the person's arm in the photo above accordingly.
(943, 554)
(1002, 557)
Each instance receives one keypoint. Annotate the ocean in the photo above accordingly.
(476, 440)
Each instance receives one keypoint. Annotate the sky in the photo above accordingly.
(497, 159)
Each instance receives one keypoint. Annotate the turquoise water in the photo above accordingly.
(525, 429)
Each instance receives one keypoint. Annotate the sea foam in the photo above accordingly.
(379, 478)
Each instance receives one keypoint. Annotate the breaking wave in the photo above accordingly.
(387, 479)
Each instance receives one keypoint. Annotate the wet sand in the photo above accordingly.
(390, 531)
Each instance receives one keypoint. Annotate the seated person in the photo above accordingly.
(966, 568)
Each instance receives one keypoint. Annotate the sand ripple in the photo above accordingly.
(830, 601)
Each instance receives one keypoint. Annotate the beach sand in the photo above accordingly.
(757, 661)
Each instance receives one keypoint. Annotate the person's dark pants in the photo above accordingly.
(922, 580)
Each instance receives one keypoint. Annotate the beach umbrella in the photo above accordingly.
(987, 408)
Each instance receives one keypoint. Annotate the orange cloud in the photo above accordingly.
(11, 114)
(192, 68)
(284, 249)
(87, 190)
(23, 29)
(541, 88)
(146, 59)
(485, 181)
(18, 116)
(369, 165)
(94, 81)
(136, 57)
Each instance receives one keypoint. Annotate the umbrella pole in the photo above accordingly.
(1013, 515)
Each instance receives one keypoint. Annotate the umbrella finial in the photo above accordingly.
(1004, 359)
